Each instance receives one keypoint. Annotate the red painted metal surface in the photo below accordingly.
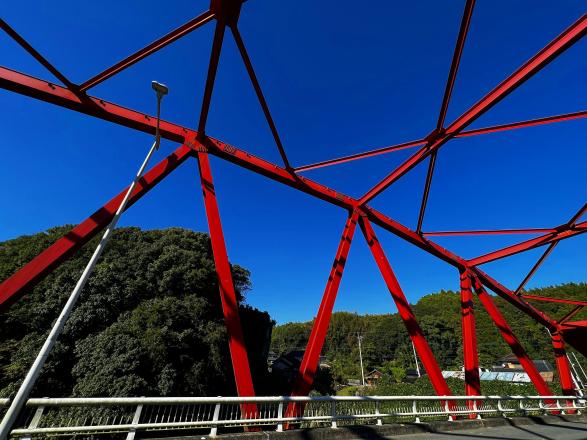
(489, 232)
(226, 13)
(405, 311)
(530, 244)
(363, 155)
(555, 300)
(452, 76)
(562, 365)
(524, 124)
(530, 68)
(251, 71)
(43, 264)
(470, 353)
(510, 339)
(310, 362)
(236, 340)
(159, 44)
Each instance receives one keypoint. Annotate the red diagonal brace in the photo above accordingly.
(524, 124)
(510, 339)
(405, 311)
(470, 354)
(44, 263)
(563, 234)
(526, 71)
(236, 341)
(309, 365)
(169, 38)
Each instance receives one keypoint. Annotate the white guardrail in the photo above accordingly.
(71, 416)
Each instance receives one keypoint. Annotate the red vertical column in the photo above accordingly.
(562, 365)
(405, 311)
(309, 365)
(510, 339)
(236, 342)
(470, 354)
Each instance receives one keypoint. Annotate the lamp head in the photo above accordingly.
(161, 89)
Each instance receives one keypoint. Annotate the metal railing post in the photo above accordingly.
(35, 421)
(214, 429)
(415, 410)
(523, 409)
(451, 418)
(280, 416)
(378, 412)
(501, 409)
(333, 414)
(135, 421)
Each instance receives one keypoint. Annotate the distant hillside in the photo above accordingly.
(386, 340)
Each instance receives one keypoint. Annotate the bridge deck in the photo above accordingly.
(570, 427)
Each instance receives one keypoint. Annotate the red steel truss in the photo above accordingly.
(198, 145)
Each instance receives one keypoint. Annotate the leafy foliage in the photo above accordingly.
(387, 347)
(149, 321)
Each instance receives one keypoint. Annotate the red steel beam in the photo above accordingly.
(562, 365)
(458, 262)
(490, 232)
(542, 240)
(523, 124)
(570, 314)
(478, 131)
(42, 90)
(543, 257)
(405, 311)
(470, 353)
(456, 59)
(167, 39)
(212, 69)
(526, 71)
(363, 155)
(36, 55)
(309, 365)
(236, 340)
(509, 337)
(452, 76)
(249, 66)
(573, 221)
(429, 173)
(555, 300)
(99, 108)
(35, 270)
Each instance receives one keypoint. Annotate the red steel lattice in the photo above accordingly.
(198, 145)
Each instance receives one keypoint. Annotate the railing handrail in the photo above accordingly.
(116, 401)
(173, 413)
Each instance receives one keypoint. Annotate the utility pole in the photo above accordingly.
(416, 360)
(360, 338)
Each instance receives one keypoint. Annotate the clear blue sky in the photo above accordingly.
(339, 79)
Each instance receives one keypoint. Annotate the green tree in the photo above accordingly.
(149, 321)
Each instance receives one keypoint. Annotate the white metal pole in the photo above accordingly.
(416, 359)
(359, 337)
(34, 372)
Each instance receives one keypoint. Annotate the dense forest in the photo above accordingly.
(149, 321)
(385, 344)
